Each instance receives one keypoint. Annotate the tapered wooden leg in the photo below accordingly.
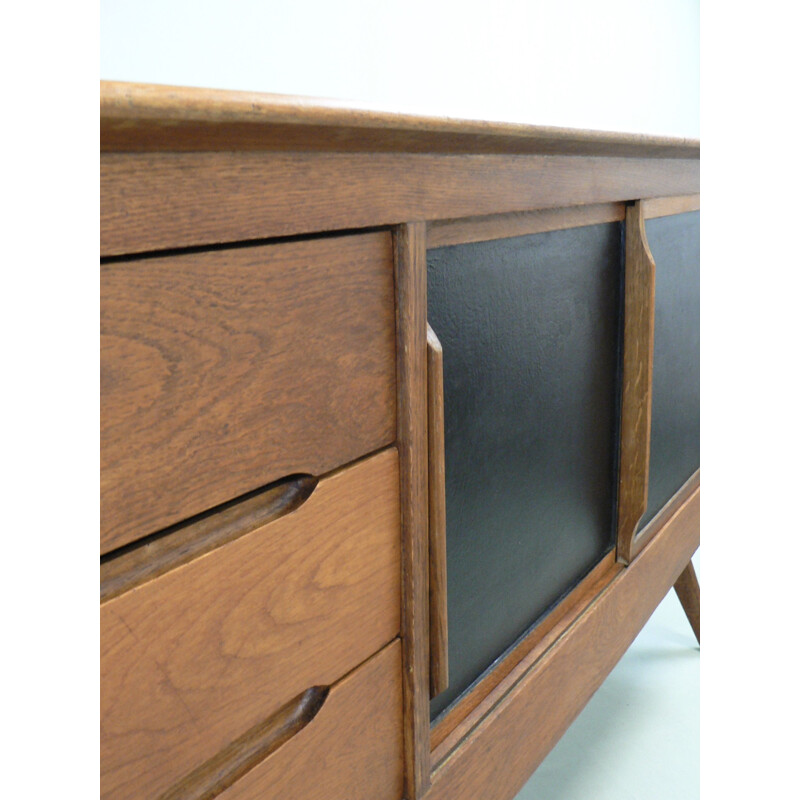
(688, 591)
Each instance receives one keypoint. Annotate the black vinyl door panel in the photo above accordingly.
(530, 331)
(675, 428)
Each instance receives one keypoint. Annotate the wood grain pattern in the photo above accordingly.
(437, 518)
(411, 274)
(666, 206)
(150, 117)
(688, 590)
(155, 555)
(224, 371)
(196, 657)
(152, 201)
(452, 728)
(637, 381)
(442, 233)
(352, 749)
(658, 521)
(250, 749)
(531, 715)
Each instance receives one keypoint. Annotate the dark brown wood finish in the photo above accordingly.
(213, 622)
(447, 232)
(196, 657)
(242, 366)
(502, 226)
(148, 117)
(680, 497)
(532, 711)
(412, 439)
(688, 590)
(352, 748)
(637, 382)
(152, 201)
(437, 518)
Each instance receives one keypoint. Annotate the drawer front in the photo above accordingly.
(226, 370)
(353, 748)
(194, 658)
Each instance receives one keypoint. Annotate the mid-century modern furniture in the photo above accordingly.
(400, 423)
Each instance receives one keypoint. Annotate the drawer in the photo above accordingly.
(194, 658)
(225, 370)
(353, 747)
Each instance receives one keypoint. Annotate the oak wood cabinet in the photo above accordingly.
(399, 425)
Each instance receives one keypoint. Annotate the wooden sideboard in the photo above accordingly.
(284, 438)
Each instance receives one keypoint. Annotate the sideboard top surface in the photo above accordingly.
(148, 117)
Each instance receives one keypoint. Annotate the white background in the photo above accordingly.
(49, 56)
(625, 65)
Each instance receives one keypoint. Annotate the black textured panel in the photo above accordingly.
(675, 433)
(529, 329)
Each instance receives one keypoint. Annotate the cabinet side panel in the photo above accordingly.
(529, 328)
(675, 433)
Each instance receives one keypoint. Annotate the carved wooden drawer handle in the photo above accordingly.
(250, 749)
(437, 547)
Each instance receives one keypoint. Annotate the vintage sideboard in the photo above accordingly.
(399, 440)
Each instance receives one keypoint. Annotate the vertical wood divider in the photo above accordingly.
(637, 382)
(411, 273)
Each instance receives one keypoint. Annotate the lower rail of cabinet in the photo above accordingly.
(532, 710)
